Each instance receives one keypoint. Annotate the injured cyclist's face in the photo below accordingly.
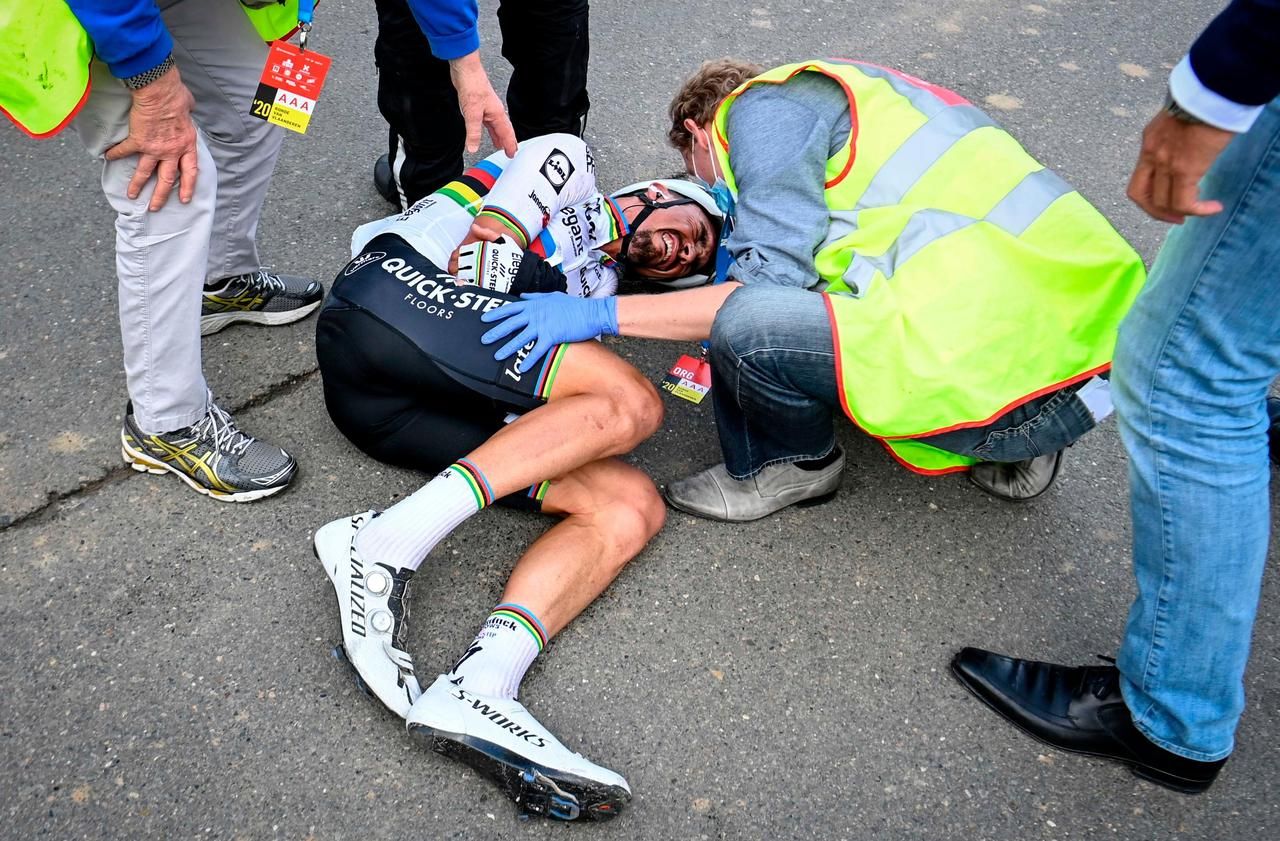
(672, 241)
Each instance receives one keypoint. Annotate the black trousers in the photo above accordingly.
(546, 43)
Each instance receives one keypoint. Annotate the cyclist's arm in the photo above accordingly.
(548, 174)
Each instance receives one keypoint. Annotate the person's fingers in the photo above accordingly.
(1183, 195)
(501, 132)
(480, 232)
(1142, 191)
(474, 119)
(501, 331)
(188, 168)
(509, 312)
(123, 149)
(541, 349)
(526, 336)
(1162, 194)
(141, 175)
(1139, 190)
(166, 177)
(1186, 198)
(1205, 207)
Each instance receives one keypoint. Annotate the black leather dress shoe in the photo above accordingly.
(383, 181)
(1273, 432)
(1078, 709)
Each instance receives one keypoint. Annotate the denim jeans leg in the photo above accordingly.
(1195, 358)
(773, 378)
(1038, 427)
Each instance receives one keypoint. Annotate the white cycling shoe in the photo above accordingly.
(373, 610)
(502, 741)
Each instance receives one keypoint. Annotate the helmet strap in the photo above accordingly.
(649, 207)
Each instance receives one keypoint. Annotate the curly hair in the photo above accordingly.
(702, 92)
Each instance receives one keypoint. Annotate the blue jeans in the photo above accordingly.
(1195, 358)
(774, 388)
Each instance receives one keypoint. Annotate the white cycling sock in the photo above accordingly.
(508, 642)
(405, 533)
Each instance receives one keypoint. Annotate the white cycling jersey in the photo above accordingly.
(545, 196)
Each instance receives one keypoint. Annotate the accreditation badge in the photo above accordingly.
(689, 379)
(290, 85)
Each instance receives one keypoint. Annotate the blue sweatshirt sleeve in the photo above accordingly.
(1238, 55)
(450, 26)
(127, 34)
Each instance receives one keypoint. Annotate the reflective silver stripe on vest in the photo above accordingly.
(842, 223)
(924, 148)
(1025, 202)
(925, 101)
(1014, 213)
(944, 125)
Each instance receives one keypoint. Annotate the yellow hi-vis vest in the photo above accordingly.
(45, 54)
(963, 278)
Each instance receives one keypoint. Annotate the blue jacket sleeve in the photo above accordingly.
(127, 34)
(1238, 54)
(450, 26)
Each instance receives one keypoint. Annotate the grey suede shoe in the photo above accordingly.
(716, 495)
(1017, 481)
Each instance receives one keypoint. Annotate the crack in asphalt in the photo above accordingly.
(55, 499)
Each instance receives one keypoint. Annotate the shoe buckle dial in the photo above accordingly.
(381, 621)
(378, 583)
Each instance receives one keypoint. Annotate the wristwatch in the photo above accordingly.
(1182, 115)
(140, 81)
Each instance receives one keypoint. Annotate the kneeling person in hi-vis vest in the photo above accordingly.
(892, 253)
(407, 379)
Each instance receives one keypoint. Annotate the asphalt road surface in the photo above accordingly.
(167, 671)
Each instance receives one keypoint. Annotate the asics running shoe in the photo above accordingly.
(258, 298)
(212, 456)
(501, 740)
(374, 612)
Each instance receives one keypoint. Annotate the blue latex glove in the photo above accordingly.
(549, 318)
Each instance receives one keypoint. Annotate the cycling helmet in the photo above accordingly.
(686, 192)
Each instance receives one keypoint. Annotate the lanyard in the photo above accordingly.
(306, 10)
(723, 262)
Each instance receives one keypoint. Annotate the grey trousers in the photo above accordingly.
(163, 259)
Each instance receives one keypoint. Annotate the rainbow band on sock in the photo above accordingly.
(508, 221)
(475, 478)
(539, 491)
(550, 367)
(525, 618)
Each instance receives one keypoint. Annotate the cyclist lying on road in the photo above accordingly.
(407, 379)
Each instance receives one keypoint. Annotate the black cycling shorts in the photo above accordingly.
(406, 377)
